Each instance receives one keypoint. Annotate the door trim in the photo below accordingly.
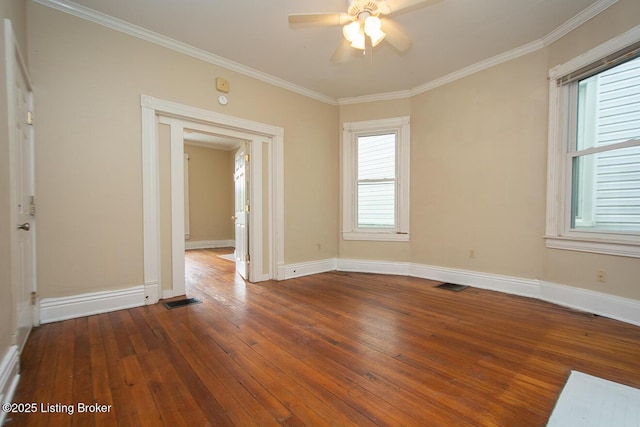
(152, 108)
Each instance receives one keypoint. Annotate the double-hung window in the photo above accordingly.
(593, 201)
(376, 180)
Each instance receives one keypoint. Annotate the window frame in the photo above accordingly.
(351, 131)
(562, 104)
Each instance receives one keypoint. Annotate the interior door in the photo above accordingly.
(22, 189)
(241, 215)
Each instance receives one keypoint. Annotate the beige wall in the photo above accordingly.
(210, 193)
(478, 171)
(478, 159)
(13, 10)
(88, 85)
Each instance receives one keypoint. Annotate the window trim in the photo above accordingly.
(351, 130)
(558, 232)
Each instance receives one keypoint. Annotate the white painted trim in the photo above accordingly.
(480, 66)
(210, 244)
(9, 377)
(607, 48)
(590, 12)
(308, 268)
(177, 207)
(187, 222)
(374, 266)
(164, 41)
(380, 236)
(494, 282)
(350, 133)
(276, 208)
(144, 34)
(71, 307)
(611, 306)
(617, 248)
(558, 232)
(150, 197)
(533, 46)
(153, 108)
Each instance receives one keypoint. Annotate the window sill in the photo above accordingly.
(606, 247)
(389, 236)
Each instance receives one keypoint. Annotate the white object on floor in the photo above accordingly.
(588, 401)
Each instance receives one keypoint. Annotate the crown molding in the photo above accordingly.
(568, 26)
(150, 36)
(388, 96)
(590, 12)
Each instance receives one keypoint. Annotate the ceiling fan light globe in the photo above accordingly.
(352, 31)
(372, 25)
(359, 42)
(377, 38)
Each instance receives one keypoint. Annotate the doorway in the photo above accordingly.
(21, 191)
(216, 189)
(265, 174)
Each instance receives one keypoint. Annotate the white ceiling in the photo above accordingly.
(447, 37)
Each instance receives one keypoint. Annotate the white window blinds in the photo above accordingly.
(376, 186)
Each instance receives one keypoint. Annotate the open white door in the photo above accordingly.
(22, 188)
(241, 216)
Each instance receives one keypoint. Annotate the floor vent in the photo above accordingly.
(452, 287)
(181, 303)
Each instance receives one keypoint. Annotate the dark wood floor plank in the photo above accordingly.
(82, 379)
(101, 389)
(330, 349)
(199, 358)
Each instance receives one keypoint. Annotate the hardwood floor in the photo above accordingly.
(330, 349)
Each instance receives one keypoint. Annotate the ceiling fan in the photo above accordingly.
(363, 24)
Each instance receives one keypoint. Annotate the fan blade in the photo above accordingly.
(320, 19)
(342, 52)
(396, 37)
(395, 6)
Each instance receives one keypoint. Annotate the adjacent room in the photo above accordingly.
(430, 211)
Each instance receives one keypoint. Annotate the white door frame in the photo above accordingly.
(152, 109)
(14, 63)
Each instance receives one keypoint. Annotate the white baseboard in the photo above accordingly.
(611, 306)
(210, 244)
(55, 309)
(494, 282)
(9, 377)
(170, 293)
(379, 267)
(291, 271)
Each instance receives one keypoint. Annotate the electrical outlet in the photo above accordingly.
(601, 276)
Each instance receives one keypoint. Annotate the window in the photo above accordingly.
(593, 201)
(376, 180)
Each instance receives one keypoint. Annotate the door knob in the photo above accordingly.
(26, 226)
(234, 218)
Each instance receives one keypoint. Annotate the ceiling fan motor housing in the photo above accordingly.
(361, 9)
